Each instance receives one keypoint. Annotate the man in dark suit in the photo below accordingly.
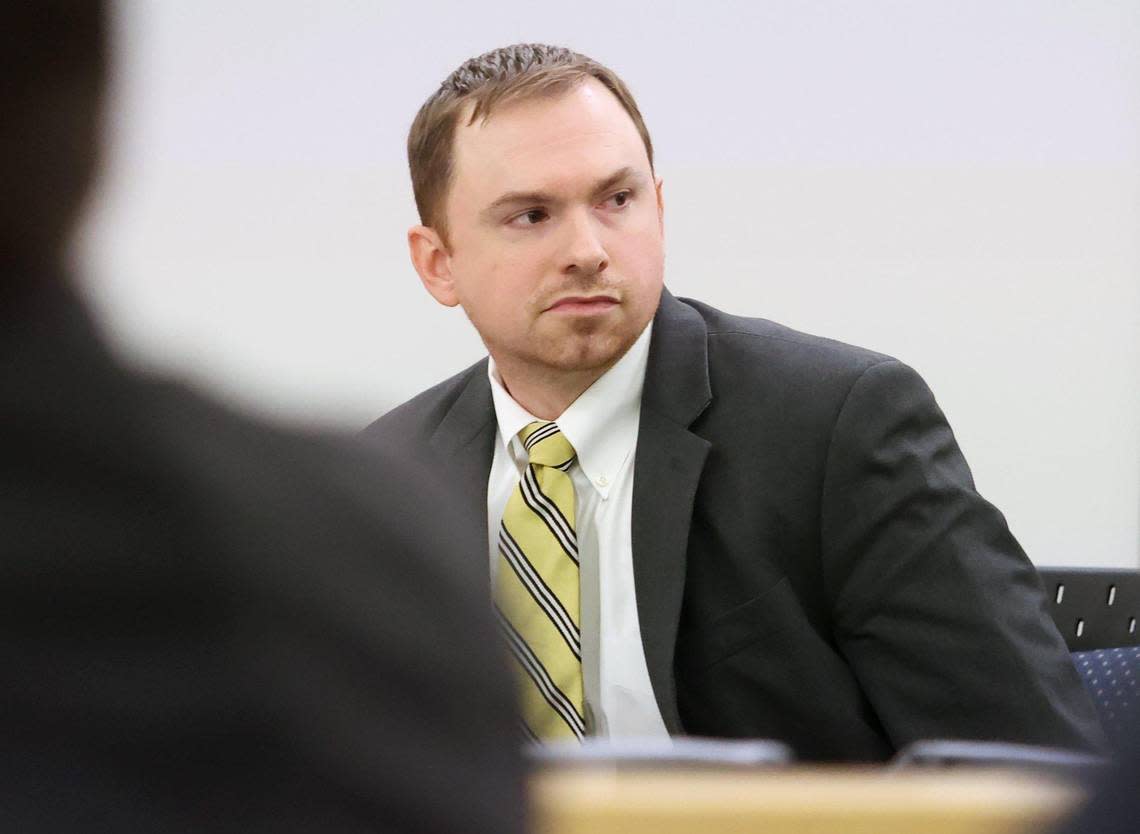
(809, 557)
(207, 625)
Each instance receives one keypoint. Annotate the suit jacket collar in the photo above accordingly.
(677, 378)
(464, 440)
(470, 416)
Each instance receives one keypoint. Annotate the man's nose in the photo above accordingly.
(585, 251)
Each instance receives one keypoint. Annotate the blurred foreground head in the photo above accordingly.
(51, 96)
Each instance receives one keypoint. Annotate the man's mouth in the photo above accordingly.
(583, 304)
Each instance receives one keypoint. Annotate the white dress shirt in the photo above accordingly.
(601, 425)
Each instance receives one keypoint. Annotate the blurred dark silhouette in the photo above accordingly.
(206, 624)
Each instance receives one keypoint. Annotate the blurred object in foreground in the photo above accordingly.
(653, 753)
(820, 800)
(1114, 807)
(208, 624)
(941, 753)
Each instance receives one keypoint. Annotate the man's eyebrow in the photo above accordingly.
(516, 198)
(620, 175)
(522, 198)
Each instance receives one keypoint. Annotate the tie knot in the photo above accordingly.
(547, 445)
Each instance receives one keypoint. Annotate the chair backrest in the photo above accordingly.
(1111, 677)
(1094, 608)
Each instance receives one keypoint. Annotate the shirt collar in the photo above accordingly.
(601, 424)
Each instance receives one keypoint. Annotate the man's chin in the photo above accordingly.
(595, 352)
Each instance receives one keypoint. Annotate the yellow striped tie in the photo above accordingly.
(536, 589)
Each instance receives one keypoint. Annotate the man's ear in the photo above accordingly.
(659, 184)
(433, 263)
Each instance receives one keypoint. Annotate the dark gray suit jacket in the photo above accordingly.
(812, 561)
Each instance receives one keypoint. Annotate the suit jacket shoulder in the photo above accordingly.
(794, 385)
(417, 418)
(741, 342)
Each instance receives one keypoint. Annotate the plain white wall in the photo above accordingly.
(955, 183)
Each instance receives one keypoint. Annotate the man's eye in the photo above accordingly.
(621, 198)
(529, 218)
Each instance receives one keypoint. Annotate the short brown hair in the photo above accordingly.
(510, 73)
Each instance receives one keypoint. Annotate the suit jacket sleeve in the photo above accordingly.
(935, 605)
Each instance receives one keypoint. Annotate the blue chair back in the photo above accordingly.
(1110, 675)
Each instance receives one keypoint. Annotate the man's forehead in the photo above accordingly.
(586, 119)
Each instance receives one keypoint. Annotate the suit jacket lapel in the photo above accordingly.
(465, 438)
(667, 469)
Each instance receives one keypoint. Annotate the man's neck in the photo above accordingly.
(547, 392)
